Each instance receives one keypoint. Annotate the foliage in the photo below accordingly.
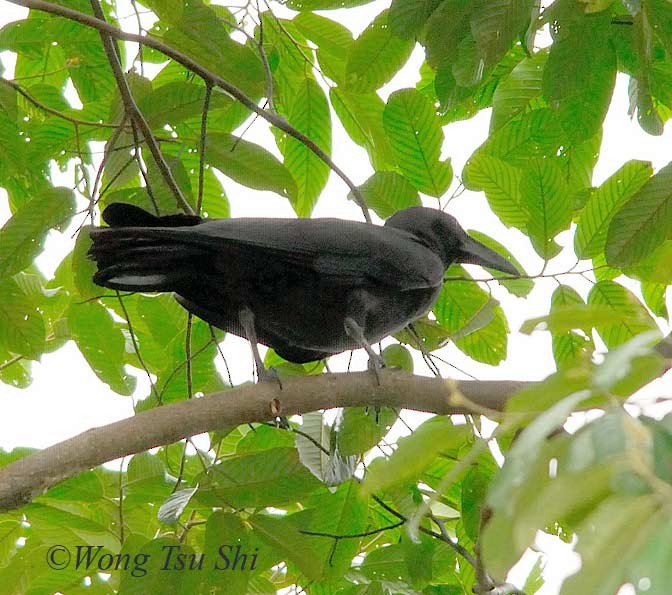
(328, 509)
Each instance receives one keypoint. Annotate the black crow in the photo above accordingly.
(308, 288)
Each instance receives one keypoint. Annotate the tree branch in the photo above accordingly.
(22, 480)
(135, 114)
(208, 76)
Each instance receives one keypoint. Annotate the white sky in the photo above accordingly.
(66, 398)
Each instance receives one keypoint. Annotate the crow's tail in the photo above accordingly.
(143, 252)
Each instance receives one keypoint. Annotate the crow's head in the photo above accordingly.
(442, 234)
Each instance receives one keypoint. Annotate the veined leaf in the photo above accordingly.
(515, 92)
(249, 164)
(309, 113)
(304, 5)
(501, 183)
(416, 136)
(22, 330)
(22, 237)
(580, 73)
(333, 41)
(630, 316)
(102, 343)
(643, 222)
(545, 197)
(407, 17)
(517, 287)
(362, 117)
(387, 192)
(271, 477)
(654, 297)
(604, 203)
(376, 56)
(535, 133)
(415, 452)
(568, 345)
(446, 28)
(468, 312)
(497, 24)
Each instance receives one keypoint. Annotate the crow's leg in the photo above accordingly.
(246, 317)
(354, 330)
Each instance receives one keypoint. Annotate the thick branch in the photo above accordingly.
(208, 76)
(26, 478)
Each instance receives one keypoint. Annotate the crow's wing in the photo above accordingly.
(345, 251)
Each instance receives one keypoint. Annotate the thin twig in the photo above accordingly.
(202, 143)
(206, 75)
(54, 112)
(135, 113)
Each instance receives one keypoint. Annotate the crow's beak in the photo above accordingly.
(474, 252)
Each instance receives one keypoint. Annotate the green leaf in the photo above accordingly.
(643, 223)
(604, 203)
(177, 101)
(654, 298)
(271, 477)
(22, 237)
(525, 449)
(608, 541)
(83, 267)
(238, 555)
(167, 577)
(14, 370)
(501, 183)
(146, 479)
(545, 197)
(630, 316)
(656, 267)
(376, 56)
(416, 136)
(487, 344)
(407, 17)
(85, 487)
(535, 133)
(339, 512)
(415, 452)
(102, 343)
(304, 5)
(580, 73)
(288, 60)
(618, 363)
(517, 287)
(474, 490)
(569, 347)
(497, 24)
(397, 356)
(283, 538)
(333, 41)
(577, 315)
(467, 312)
(309, 113)
(387, 192)
(201, 35)
(249, 164)
(362, 118)
(361, 429)
(22, 329)
(513, 95)
(446, 28)
(578, 164)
